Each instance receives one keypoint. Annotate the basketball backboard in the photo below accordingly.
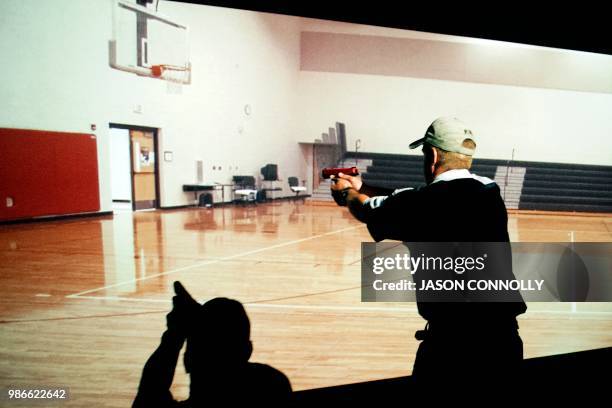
(147, 43)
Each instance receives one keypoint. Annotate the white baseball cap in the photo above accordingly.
(447, 133)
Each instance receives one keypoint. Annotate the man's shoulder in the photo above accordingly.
(266, 372)
(470, 178)
(475, 183)
(264, 368)
(482, 187)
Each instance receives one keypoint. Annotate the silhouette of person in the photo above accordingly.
(217, 353)
(468, 342)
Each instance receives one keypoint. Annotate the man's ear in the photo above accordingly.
(434, 157)
(435, 160)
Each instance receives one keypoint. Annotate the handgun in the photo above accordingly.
(182, 298)
(331, 171)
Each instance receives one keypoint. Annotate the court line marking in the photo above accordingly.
(209, 262)
(326, 307)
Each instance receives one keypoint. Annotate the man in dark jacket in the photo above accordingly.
(464, 342)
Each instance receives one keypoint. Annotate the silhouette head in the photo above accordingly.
(220, 338)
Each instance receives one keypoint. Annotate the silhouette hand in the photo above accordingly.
(183, 315)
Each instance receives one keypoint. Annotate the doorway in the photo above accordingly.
(134, 168)
(121, 171)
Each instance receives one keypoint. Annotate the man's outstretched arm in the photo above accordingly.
(158, 373)
(372, 191)
(356, 203)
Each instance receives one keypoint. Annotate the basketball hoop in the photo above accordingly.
(172, 73)
(147, 43)
(157, 70)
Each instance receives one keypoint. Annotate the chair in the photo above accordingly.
(295, 186)
(244, 188)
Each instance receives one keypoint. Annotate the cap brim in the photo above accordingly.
(417, 143)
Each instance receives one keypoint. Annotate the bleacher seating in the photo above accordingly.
(545, 186)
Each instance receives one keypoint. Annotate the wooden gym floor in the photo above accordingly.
(84, 301)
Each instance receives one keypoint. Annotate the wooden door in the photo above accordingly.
(143, 165)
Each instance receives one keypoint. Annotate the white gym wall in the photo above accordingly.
(56, 77)
(387, 85)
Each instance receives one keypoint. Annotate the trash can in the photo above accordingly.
(205, 200)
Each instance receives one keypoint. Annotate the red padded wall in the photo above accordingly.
(47, 173)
